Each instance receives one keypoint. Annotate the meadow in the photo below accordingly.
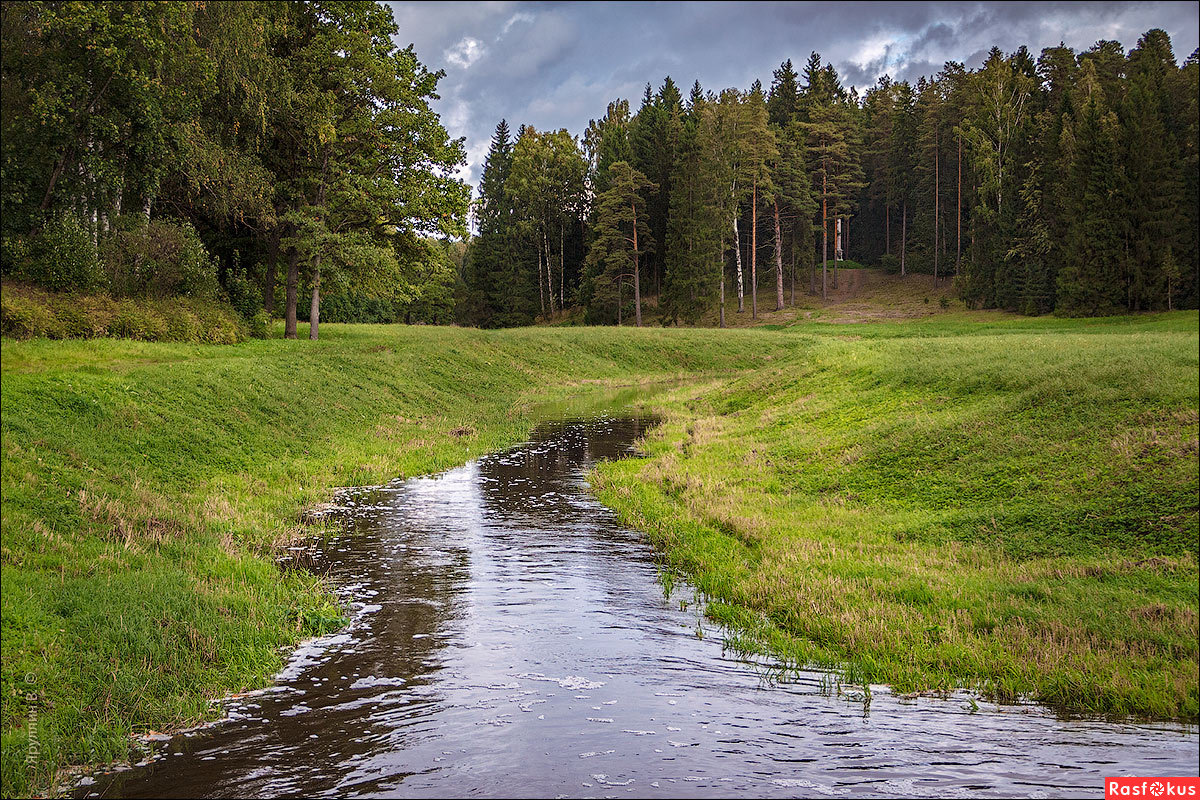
(1002, 504)
(147, 488)
(1008, 507)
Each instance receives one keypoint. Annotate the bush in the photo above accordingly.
(260, 325)
(353, 308)
(14, 251)
(245, 297)
(159, 258)
(82, 317)
(182, 324)
(889, 264)
(24, 317)
(62, 257)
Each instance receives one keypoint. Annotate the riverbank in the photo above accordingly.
(1008, 507)
(147, 486)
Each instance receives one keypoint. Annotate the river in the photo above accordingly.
(510, 638)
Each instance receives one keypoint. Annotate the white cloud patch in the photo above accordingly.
(513, 20)
(465, 53)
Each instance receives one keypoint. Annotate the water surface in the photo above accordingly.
(510, 638)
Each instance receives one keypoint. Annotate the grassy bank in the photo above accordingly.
(1010, 507)
(145, 486)
(27, 312)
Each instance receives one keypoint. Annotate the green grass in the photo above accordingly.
(1007, 506)
(147, 485)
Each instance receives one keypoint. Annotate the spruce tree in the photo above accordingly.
(1089, 282)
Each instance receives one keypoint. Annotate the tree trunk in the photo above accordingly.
(958, 246)
(541, 283)
(793, 265)
(837, 246)
(722, 251)
(903, 236)
(824, 240)
(293, 283)
(754, 252)
(737, 250)
(314, 312)
(936, 203)
(887, 229)
(549, 272)
(778, 261)
(54, 176)
(637, 278)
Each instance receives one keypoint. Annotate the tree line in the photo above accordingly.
(260, 151)
(1065, 183)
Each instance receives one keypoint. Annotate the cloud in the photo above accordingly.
(556, 65)
(466, 52)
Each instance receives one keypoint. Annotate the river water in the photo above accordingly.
(510, 638)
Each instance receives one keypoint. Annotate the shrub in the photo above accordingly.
(25, 317)
(181, 324)
(260, 325)
(62, 257)
(14, 251)
(889, 264)
(159, 258)
(27, 312)
(83, 316)
(244, 296)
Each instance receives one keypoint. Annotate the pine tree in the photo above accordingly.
(902, 162)
(793, 204)
(622, 237)
(760, 149)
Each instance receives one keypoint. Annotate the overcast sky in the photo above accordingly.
(555, 65)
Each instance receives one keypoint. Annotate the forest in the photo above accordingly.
(260, 153)
(1066, 182)
(250, 152)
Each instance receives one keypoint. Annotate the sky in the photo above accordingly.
(558, 65)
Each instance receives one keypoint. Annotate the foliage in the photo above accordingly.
(61, 256)
(623, 237)
(156, 259)
(282, 133)
(27, 313)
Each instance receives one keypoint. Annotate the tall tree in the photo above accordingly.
(622, 231)
(1089, 282)
(761, 152)
(695, 224)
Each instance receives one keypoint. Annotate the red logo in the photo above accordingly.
(1151, 788)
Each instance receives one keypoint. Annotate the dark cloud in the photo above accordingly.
(556, 65)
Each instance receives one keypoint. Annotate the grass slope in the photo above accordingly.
(1010, 507)
(146, 485)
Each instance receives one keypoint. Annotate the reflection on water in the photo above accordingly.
(509, 638)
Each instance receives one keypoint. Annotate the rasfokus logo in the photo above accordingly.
(1152, 788)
